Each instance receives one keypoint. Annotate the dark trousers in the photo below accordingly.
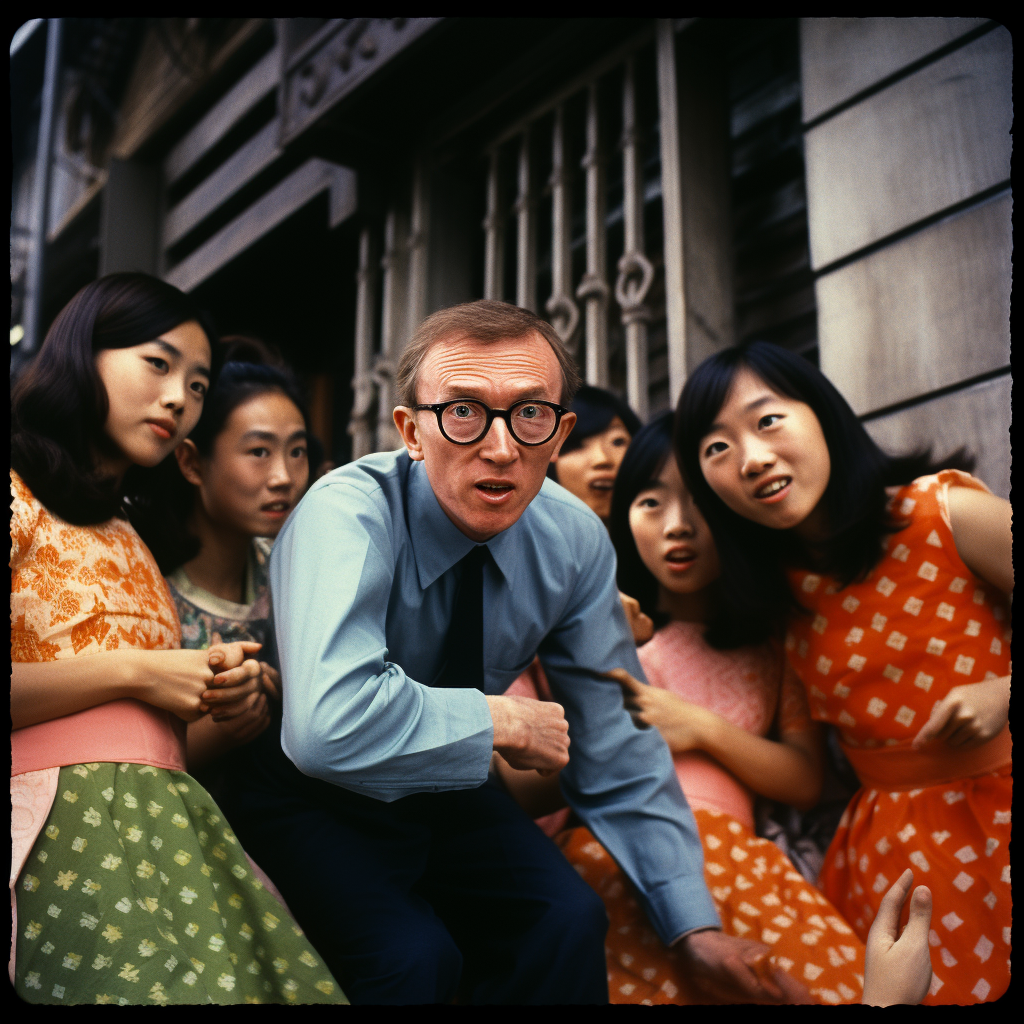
(433, 897)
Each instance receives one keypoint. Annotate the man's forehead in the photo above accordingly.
(525, 364)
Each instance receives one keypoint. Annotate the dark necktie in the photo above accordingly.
(464, 645)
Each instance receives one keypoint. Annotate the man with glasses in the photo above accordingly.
(410, 589)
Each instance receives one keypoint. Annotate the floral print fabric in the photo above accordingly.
(137, 891)
(875, 657)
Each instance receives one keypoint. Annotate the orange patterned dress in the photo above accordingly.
(757, 891)
(875, 657)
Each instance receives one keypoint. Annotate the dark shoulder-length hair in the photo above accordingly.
(754, 558)
(59, 406)
(250, 368)
(595, 408)
(641, 466)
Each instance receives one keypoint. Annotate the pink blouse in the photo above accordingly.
(750, 687)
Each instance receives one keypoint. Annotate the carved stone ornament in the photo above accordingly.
(338, 62)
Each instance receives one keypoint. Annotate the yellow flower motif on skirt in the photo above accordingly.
(205, 869)
(213, 819)
(71, 961)
(65, 879)
(107, 794)
(91, 888)
(148, 903)
(238, 871)
(133, 834)
(144, 869)
(226, 981)
(187, 895)
(203, 837)
(171, 789)
(246, 932)
(198, 964)
(33, 930)
(270, 922)
(110, 862)
(112, 933)
(180, 820)
(52, 831)
(280, 964)
(324, 986)
(48, 948)
(219, 852)
(148, 769)
(101, 962)
(233, 957)
(69, 796)
(165, 879)
(290, 988)
(93, 766)
(32, 980)
(41, 856)
(80, 769)
(190, 978)
(229, 836)
(30, 883)
(88, 921)
(254, 966)
(167, 913)
(129, 972)
(79, 844)
(192, 929)
(129, 801)
(123, 904)
(53, 910)
(234, 900)
(147, 947)
(182, 858)
(158, 995)
(216, 942)
(169, 936)
(308, 959)
(102, 998)
(154, 808)
(181, 787)
(92, 817)
(252, 999)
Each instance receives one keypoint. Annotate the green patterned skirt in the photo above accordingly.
(137, 891)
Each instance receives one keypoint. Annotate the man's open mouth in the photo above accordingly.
(498, 488)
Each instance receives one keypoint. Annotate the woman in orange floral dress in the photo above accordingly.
(893, 580)
(127, 885)
(737, 725)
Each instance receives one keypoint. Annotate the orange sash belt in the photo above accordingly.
(901, 768)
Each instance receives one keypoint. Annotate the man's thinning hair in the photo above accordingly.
(485, 320)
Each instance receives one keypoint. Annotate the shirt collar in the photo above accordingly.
(438, 544)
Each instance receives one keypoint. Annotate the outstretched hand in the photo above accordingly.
(735, 970)
(899, 970)
(683, 724)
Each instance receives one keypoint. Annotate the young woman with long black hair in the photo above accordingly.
(130, 886)
(890, 578)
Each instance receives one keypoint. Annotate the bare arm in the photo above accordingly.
(176, 680)
(789, 771)
(981, 525)
(537, 794)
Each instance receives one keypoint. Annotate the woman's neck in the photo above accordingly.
(685, 607)
(220, 566)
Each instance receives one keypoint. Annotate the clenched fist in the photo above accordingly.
(530, 733)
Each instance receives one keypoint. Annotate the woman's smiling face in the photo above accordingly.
(766, 457)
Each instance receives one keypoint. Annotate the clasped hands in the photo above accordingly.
(237, 696)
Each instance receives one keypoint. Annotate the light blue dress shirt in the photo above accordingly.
(364, 581)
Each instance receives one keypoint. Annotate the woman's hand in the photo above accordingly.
(899, 970)
(236, 687)
(968, 715)
(639, 623)
(270, 679)
(175, 680)
(683, 725)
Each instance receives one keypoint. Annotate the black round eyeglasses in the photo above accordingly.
(466, 421)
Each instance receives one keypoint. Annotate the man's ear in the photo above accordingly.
(189, 462)
(564, 430)
(405, 421)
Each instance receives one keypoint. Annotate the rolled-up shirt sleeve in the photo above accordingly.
(620, 778)
(351, 717)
